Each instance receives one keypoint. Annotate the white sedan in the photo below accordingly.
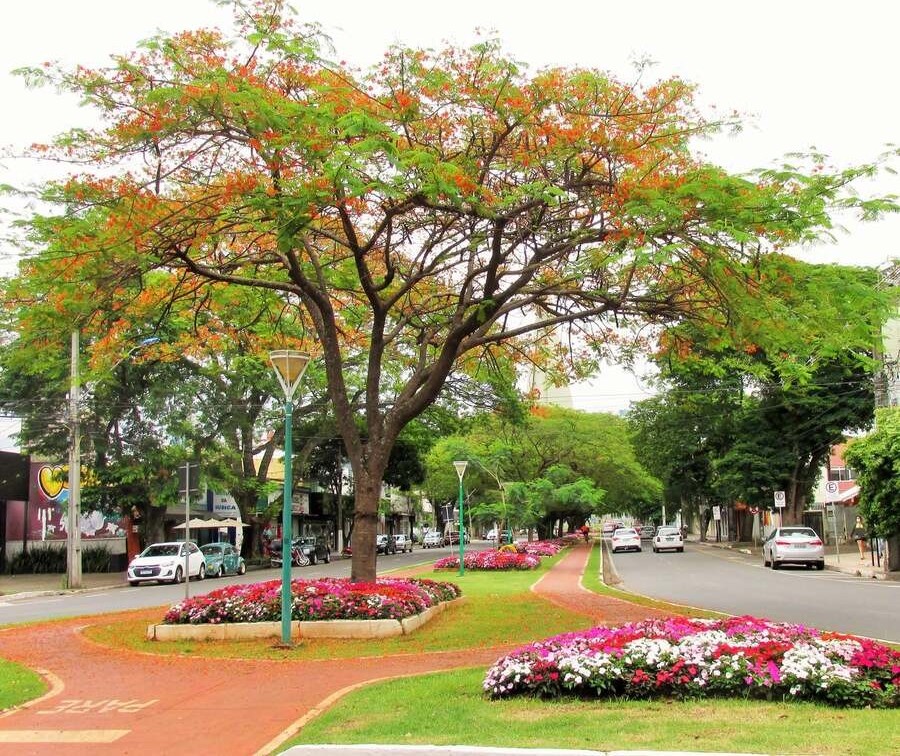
(794, 545)
(164, 563)
(667, 538)
(625, 539)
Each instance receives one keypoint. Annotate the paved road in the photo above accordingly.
(14, 611)
(737, 583)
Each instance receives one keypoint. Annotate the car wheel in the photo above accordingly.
(313, 558)
(327, 559)
(242, 568)
(179, 575)
(201, 574)
(655, 550)
(820, 565)
(681, 549)
(765, 561)
(775, 564)
(134, 582)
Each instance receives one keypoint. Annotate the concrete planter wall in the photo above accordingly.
(324, 629)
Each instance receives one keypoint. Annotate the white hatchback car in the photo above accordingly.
(794, 545)
(164, 563)
(403, 543)
(625, 539)
(667, 538)
(433, 539)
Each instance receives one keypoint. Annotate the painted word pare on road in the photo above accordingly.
(105, 706)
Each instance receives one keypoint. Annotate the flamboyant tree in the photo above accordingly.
(438, 212)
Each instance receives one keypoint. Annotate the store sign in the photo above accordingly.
(300, 503)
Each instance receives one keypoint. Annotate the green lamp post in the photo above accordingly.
(289, 368)
(460, 471)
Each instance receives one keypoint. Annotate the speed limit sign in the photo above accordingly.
(779, 499)
(831, 489)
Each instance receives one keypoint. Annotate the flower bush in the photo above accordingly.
(324, 599)
(740, 656)
(490, 560)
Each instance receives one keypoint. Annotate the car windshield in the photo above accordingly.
(162, 550)
(667, 531)
(797, 532)
(211, 549)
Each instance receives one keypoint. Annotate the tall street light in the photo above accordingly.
(460, 471)
(289, 368)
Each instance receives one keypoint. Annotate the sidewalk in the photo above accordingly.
(23, 586)
(845, 559)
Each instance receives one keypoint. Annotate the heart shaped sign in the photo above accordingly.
(51, 481)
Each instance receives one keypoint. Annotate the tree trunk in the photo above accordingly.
(365, 521)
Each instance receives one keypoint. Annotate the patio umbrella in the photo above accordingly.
(194, 522)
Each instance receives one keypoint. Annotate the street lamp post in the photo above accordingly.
(460, 471)
(289, 368)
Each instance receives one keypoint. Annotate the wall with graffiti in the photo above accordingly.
(44, 516)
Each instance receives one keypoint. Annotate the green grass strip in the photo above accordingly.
(18, 684)
(448, 708)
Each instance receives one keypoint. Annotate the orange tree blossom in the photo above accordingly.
(437, 212)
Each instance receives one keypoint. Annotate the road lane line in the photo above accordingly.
(61, 736)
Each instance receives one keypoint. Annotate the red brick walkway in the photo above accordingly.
(147, 704)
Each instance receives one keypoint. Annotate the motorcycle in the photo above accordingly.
(298, 557)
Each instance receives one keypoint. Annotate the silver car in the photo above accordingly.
(794, 545)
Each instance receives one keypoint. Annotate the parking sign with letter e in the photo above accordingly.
(779, 499)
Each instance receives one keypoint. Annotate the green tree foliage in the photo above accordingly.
(876, 459)
(431, 217)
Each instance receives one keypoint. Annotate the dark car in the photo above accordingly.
(384, 544)
(315, 548)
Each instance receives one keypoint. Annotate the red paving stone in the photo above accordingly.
(168, 704)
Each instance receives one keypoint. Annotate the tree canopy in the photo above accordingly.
(434, 216)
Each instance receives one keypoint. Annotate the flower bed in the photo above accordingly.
(543, 548)
(490, 560)
(741, 656)
(312, 600)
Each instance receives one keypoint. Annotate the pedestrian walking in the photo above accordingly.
(858, 534)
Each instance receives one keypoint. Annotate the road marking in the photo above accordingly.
(103, 706)
(61, 736)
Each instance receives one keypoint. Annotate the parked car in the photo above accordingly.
(432, 539)
(793, 545)
(164, 563)
(222, 559)
(505, 535)
(403, 543)
(384, 544)
(667, 538)
(625, 539)
(315, 548)
(647, 532)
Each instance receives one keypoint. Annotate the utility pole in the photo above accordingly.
(73, 521)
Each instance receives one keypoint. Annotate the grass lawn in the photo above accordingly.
(18, 684)
(448, 708)
(499, 610)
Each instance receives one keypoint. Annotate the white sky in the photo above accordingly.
(807, 74)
